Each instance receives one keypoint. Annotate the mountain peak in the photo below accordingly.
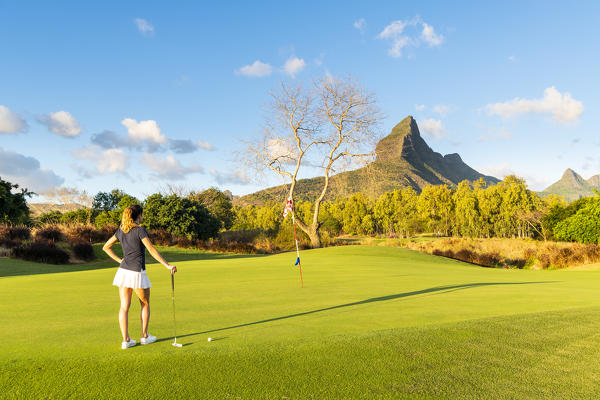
(405, 148)
(572, 186)
(404, 141)
(594, 181)
(403, 159)
(573, 177)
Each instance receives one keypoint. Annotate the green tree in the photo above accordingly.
(113, 217)
(269, 218)
(466, 211)
(435, 206)
(489, 201)
(79, 216)
(218, 203)
(104, 201)
(584, 225)
(516, 201)
(50, 217)
(396, 212)
(180, 216)
(13, 203)
(245, 218)
(353, 212)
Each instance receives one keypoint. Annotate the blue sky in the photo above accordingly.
(138, 95)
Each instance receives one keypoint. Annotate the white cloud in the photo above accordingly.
(393, 30)
(11, 122)
(169, 167)
(397, 33)
(430, 37)
(237, 177)
(498, 171)
(281, 149)
(361, 25)
(62, 123)
(512, 58)
(433, 128)
(105, 161)
(442, 109)
(293, 65)
(562, 107)
(257, 69)
(27, 172)
(205, 145)
(144, 26)
(420, 107)
(144, 131)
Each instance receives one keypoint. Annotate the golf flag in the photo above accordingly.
(288, 207)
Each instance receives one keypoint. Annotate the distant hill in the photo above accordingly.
(403, 159)
(572, 186)
(41, 208)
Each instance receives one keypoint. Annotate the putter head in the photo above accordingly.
(176, 344)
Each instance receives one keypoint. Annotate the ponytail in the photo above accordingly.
(130, 214)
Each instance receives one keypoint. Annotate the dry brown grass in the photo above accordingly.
(511, 253)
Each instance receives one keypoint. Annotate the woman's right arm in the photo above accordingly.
(154, 253)
(108, 250)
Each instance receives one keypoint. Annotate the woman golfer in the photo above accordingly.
(131, 274)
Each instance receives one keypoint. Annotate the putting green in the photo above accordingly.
(370, 322)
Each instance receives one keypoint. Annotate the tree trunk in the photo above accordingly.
(315, 239)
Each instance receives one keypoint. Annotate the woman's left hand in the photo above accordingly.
(173, 269)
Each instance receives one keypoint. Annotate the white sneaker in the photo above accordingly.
(148, 340)
(125, 345)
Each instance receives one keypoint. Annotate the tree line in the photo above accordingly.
(471, 209)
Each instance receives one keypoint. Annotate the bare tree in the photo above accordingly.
(332, 125)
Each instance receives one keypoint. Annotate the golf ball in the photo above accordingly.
(210, 339)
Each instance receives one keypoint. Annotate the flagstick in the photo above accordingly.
(297, 251)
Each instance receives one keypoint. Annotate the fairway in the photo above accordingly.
(370, 322)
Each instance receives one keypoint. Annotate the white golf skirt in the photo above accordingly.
(131, 279)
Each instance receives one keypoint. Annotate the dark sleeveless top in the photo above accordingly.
(134, 254)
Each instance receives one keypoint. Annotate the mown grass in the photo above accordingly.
(371, 322)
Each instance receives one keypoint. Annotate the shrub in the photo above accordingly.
(8, 243)
(83, 251)
(44, 252)
(51, 233)
(80, 233)
(229, 247)
(88, 233)
(106, 231)
(241, 236)
(161, 237)
(183, 242)
(488, 259)
(465, 255)
(14, 232)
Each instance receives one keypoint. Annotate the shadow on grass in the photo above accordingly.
(432, 290)
(14, 267)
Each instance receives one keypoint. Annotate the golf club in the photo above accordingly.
(173, 298)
